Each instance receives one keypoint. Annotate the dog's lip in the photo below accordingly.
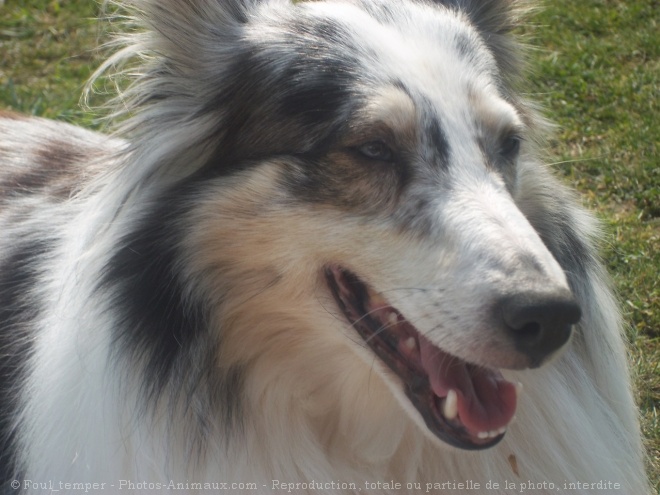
(408, 354)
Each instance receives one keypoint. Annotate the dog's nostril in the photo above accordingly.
(540, 322)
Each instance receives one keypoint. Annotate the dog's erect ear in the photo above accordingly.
(194, 26)
(494, 19)
(174, 60)
(491, 16)
(185, 45)
(220, 11)
(194, 35)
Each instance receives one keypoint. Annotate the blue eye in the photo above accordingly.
(510, 147)
(376, 150)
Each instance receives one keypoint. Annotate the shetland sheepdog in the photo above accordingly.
(321, 253)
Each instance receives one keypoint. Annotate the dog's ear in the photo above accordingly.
(174, 59)
(489, 16)
(222, 11)
(185, 45)
(494, 20)
(193, 29)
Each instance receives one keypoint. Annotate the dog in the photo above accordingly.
(321, 253)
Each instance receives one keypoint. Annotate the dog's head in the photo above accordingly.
(375, 155)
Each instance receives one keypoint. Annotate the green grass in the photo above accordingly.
(47, 52)
(596, 72)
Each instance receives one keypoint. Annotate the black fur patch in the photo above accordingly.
(157, 321)
(161, 325)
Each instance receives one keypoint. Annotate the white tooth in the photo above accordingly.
(450, 408)
(392, 318)
(493, 433)
(501, 431)
(482, 435)
(411, 343)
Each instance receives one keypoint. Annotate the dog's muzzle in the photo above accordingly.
(465, 405)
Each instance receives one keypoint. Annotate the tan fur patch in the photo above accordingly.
(394, 113)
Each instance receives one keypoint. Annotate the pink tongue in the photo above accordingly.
(486, 401)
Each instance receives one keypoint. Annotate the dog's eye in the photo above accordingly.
(510, 147)
(376, 150)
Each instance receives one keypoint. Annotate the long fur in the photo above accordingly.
(164, 315)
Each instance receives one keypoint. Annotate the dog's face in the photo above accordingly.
(371, 154)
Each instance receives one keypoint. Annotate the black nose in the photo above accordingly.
(540, 321)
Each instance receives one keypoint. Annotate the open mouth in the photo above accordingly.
(464, 405)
